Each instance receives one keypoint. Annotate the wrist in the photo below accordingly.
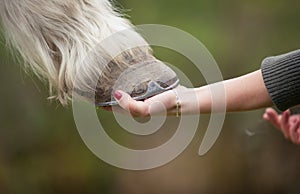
(187, 101)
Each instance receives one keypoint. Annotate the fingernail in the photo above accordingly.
(117, 95)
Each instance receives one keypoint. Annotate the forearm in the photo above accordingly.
(247, 92)
(243, 93)
(278, 82)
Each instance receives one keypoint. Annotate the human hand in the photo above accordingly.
(288, 124)
(180, 100)
(164, 103)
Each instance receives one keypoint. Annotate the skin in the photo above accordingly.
(243, 93)
(247, 92)
(288, 124)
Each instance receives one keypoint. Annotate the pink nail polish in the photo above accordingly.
(117, 95)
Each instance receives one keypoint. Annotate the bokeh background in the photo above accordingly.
(42, 152)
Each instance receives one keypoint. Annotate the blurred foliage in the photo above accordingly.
(42, 152)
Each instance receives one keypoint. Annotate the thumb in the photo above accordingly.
(136, 108)
(123, 99)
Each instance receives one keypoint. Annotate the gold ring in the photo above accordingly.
(177, 103)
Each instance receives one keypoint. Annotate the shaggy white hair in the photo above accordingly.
(54, 36)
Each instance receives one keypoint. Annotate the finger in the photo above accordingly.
(166, 99)
(272, 116)
(294, 119)
(136, 108)
(175, 101)
(268, 118)
(293, 131)
(284, 123)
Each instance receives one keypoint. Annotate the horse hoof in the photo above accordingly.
(141, 81)
(135, 72)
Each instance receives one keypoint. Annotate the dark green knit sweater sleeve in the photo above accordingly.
(281, 76)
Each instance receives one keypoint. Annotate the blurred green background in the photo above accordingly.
(42, 152)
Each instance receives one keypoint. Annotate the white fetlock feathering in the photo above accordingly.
(63, 42)
(54, 36)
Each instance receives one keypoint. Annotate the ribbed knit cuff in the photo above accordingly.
(281, 75)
